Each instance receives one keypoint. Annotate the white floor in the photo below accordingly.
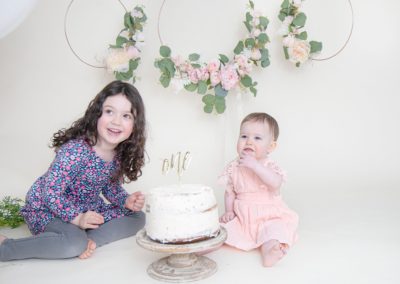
(364, 247)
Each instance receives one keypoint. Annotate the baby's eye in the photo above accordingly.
(243, 136)
(258, 138)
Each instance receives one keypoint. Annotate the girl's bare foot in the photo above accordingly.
(272, 251)
(91, 246)
(2, 238)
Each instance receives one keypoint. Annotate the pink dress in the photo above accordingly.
(261, 215)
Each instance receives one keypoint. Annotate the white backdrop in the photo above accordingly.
(339, 118)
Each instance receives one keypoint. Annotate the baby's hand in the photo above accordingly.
(88, 220)
(227, 217)
(135, 201)
(248, 161)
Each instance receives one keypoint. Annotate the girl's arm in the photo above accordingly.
(61, 173)
(268, 176)
(115, 194)
(229, 201)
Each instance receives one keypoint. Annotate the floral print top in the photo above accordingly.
(72, 185)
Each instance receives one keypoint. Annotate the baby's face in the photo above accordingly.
(255, 139)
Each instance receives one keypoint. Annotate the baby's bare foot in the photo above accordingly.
(91, 246)
(272, 251)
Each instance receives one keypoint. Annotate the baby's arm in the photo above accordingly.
(267, 175)
(229, 213)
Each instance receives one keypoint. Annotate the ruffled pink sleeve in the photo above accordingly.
(225, 179)
(272, 165)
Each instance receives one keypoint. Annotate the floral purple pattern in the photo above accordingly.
(72, 185)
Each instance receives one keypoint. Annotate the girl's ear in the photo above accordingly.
(272, 146)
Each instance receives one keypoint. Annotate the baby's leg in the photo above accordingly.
(91, 246)
(272, 251)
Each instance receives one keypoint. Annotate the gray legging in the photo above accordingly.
(65, 240)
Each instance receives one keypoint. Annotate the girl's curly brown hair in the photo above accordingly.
(130, 152)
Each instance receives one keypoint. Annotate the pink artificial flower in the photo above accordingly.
(229, 77)
(133, 52)
(215, 78)
(213, 65)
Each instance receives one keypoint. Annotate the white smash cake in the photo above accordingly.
(181, 213)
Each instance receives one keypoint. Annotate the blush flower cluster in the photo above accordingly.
(295, 45)
(216, 78)
(124, 56)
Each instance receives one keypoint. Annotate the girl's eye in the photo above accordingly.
(108, 111)
(128, 116)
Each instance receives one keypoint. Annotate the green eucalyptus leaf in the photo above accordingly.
(248, 26)
(219, 91)
(194, 57)
(300, 20)
(249, 17)
(316, 46)
(165, 51)
(165, 80)
(264, 22)
(133, 64)
(202, 87)
(246, 81)
(264, 54)
(282, 16)
(285, 50)
(239, 47)
(285, 4)
(265, 63)
(250, 43)
(223, 58)
(253, 90)
(220, 105)
(208, 99)
(128, 20)
(263, 38)
(251, 4)
(120, 41)
(208, 108)
(302, 35)
(191, 87)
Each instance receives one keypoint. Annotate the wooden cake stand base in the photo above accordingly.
(183, 265)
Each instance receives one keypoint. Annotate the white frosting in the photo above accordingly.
(181, 213)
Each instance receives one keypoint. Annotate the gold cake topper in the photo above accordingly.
(177, 161)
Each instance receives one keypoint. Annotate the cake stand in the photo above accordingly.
(183, 265)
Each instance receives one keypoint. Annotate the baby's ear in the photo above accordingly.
(272, 146)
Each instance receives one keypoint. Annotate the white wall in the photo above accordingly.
(339, 118)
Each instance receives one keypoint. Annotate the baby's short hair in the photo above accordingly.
(264, 117)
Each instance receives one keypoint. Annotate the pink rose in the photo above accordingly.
(213, 65)
(229, 77)
(215, 78)
(299, 51)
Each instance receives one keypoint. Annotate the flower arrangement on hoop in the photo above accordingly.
(219, 76)
(295, 45)
(124, 56)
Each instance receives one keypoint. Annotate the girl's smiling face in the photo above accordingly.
(255, 139)
(116, 121)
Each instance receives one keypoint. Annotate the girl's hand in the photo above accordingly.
(135, 201)
(88, 220)
(227, 217)
(248, 161)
